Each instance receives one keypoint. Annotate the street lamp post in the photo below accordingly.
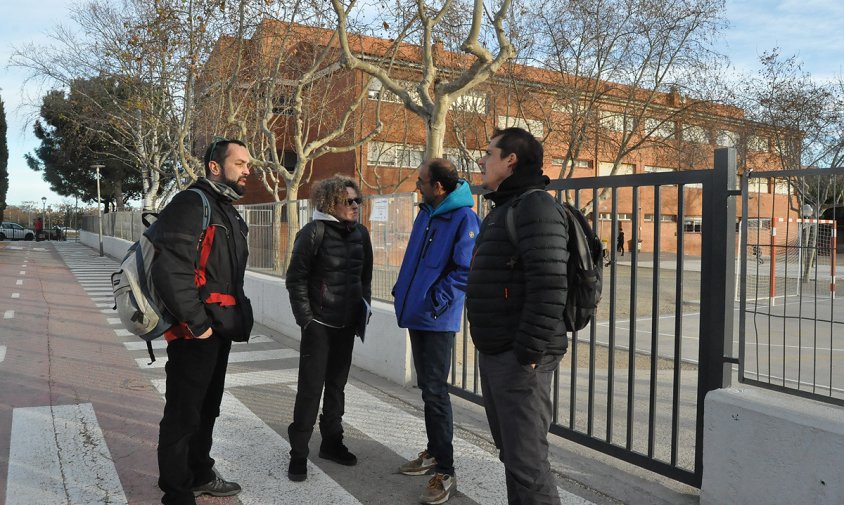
(43, 213)
(99, 206)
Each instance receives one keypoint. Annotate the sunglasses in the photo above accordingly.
(349, 201)
(214, 141)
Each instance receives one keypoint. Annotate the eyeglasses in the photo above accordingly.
(349, 201)
(420, 182)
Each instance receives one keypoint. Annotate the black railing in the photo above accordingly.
(633, 382)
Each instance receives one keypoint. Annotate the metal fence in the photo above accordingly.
(791, 328)
(389, 219)
(633, 381)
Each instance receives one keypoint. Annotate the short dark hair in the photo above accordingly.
(218, 150)
(528, 150)
(444, 172)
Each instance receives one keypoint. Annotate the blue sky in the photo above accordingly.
(810, 28)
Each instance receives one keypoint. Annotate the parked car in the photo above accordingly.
(14, 231)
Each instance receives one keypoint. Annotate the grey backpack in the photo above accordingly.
(141, 311)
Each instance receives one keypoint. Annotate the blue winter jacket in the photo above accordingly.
(430, 288)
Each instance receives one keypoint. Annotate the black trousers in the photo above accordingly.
(196, 372)
(325, 356)
(518, 406)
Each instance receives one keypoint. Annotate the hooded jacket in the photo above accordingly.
(516, 300)
(327, 281)
(430, 288)
(176, 274)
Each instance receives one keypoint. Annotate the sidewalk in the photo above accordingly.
(107, 369)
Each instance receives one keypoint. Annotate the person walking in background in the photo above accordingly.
(329, 280)
(515, 300)
(429, 296)
(213, 311)
(619, 242)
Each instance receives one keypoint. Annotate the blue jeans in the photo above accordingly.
(432, 359)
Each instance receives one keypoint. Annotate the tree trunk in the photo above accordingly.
(291, 198)
(435, 132)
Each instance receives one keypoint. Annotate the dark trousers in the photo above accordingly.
(432, 358)
(518, 407)
(325, 356)
(620, 247)
(196, 372)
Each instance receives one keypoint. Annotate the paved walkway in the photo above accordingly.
(80, 405)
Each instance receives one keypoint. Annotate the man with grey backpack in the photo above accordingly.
(197, 273)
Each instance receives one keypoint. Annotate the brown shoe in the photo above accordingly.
(439, 489)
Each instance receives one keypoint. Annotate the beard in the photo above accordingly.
(237, 188)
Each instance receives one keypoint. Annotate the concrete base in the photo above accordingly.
(760, 446)
(386, 351)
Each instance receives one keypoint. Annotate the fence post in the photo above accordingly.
(718, 237)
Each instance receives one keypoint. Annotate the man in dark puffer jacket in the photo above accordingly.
(515, 301)
(329, 278)
(202, 287)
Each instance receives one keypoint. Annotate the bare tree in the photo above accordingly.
(442, 75)
(629, 72)
(804, 119)
(286, 95)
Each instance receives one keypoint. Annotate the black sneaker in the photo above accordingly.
(298, 470)
(336, 451)
(217, 487)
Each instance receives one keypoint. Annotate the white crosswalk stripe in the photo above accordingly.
(58, 456)
(243, 440)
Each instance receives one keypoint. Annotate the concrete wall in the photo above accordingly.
(386, 351)
(761, 446)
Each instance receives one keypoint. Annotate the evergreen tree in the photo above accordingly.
(4, 160)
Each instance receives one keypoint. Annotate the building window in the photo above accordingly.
(663, 218)
(616, 121)
(532, 125)
(692, 224)
(458, 157)
(387, 154)
(757, 144)
(653, 170)
(473, 101)
(283, 105)
(605, 168)
(377, 91)
(606, 216)
(659, 128)
(726, 138)
(696, 134)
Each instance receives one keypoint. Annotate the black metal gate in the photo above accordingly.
(633, 382)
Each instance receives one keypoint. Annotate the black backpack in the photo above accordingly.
(585, 269)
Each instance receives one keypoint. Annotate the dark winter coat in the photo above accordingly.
(328, 284)
(516, 301)
(174, 268)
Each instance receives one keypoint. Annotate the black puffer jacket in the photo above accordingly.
(329, 283)
(516, 301)
(176, 238)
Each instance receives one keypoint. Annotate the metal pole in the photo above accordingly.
(99, 206)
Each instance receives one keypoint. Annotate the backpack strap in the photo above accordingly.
(510, 222)
(206, 208)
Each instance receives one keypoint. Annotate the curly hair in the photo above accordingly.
(328, 193)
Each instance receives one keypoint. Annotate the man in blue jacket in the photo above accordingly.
(429, 296)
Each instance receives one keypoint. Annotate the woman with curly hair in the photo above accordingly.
(329, 278)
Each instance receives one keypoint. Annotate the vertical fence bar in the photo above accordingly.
(678, 327)
(631, 352)
(654, 328)
(611, 343)
(717, 266)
